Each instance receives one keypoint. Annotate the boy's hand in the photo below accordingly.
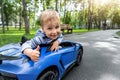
(35, 54)
(55, 46)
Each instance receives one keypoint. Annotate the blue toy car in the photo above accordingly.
(51, 65)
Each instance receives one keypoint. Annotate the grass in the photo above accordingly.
(14, 35)
(83, 30)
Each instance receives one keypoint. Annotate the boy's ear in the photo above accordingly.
(42, 27)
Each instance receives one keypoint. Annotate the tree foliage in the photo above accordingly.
(78, 13)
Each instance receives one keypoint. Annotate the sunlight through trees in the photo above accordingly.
(89, 14)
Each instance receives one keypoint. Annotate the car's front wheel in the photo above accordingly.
(79, 57)
(49, 75)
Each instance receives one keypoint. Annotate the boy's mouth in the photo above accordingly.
(53, 36)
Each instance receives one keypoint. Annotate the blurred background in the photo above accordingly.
(78, 13)
(23, 15)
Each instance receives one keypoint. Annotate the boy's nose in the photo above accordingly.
(54, 31)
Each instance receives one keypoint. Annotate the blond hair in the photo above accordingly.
(49, 15)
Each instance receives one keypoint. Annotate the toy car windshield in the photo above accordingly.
(5, 57)
(6, 54)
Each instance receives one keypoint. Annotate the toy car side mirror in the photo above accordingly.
(49, 46)
(23, 40)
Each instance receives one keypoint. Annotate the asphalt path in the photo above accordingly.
(101, 59)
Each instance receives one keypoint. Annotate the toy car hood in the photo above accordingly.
(10, 54)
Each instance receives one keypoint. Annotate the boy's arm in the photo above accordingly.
(33, 54)
(27, 49)
(31, 43)
(56, 43)
(55, 46)
(26, 45)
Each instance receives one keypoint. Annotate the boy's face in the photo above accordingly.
(52, 29)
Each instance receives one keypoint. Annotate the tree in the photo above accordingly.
(89, 14)
(19, 12)
(2, 15)
(9, 12)
(56, 6)
(26, 21)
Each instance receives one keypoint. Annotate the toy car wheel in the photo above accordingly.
(49, 75)
(79, 57)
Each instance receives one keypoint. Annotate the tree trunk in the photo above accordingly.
(104, 25)
(60, 5)
(20, 21)
(56, 6)
(2, 17)
(64, 11)
(20, 18)
(7, 22)
(27, 31)
(83, 20)
(89, 15)
(99, 19)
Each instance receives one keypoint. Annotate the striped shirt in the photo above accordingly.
(40, 38)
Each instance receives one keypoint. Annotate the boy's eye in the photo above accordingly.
(57, 27)
(49, 28)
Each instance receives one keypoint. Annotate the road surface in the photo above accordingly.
(101, 59)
